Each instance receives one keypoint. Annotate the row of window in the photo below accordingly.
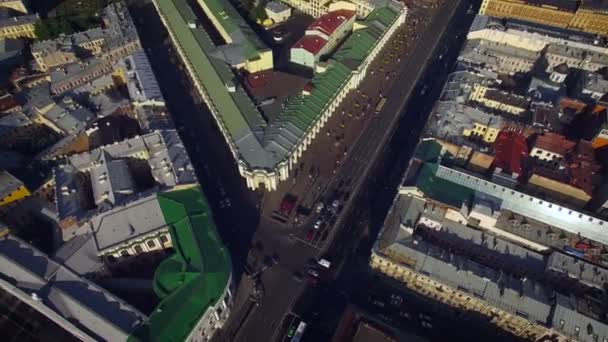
(138, 248)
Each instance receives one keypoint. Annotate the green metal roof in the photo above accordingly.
(428, 150)
(232, 22)
(260, 145)
(440, 189)
(212, 74)
(192, 279)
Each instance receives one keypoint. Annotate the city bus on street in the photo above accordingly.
(299, 332)
(380, 104)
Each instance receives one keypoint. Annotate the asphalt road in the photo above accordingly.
(236, 209)
(280, 287)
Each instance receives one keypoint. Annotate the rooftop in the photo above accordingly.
(511, 150)
(277, 7)
(454, 188)
(195, 276)
(310, 43)
(256, 143)
(8, 184)
(111, 180)
(330, 22)
(554, 142)
(73, 301)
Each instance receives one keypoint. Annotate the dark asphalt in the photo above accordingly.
(239, 223)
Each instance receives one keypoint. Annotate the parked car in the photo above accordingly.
(310, 235)
(319, 207)
(318, 224)
(313, 272)
(325, 263)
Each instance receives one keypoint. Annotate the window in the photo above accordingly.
(138, 249)
(124, 253)
(576, 330)
(151, 244)
(164, 239)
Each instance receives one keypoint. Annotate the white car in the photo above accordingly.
(324, 263)
(313, 273)
(335, 203)
(317, 224)
(319, 207)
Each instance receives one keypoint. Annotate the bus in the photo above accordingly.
(380, 104)
(299, 332)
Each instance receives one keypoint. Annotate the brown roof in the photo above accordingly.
(555, 143)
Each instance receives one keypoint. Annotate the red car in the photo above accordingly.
(310, 235)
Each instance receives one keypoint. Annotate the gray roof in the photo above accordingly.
(577, 53)
(544, 211)
(14, 120)
(37, 97)
(142, 83)
(480, 245)
(67, 74)
(277, 7)
(418, 230)
(594, 82)
(19, 20)
(105, 104)
(8, 183)
(483, 52)
(121, 224)
(111, 179)
(581, 270)
(566, 320)
(450, 119)
(78, 301)
(510, 24)
(517, 296)
(79, 254)
(69, 116)
(119, 26)
(66, 42)
(166, 157)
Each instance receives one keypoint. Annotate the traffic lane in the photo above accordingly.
(315, 236)
(275, 305)
(350, 105)
(378, 132)
(214, 167)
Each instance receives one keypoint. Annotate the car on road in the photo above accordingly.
(310, 235)
(335, 203)
(325, 263)
(313, 272)
(297, 276)
(319, 207)
(291, 331)
(317, 224)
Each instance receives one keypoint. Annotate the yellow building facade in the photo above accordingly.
(399, 267)
(486, 133)
(11, 189)
(18, 27)
(16, 5)
(592, 20)
(479, 94)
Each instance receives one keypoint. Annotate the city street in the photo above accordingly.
(280, 253)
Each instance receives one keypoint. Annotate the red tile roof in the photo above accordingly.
(312, 44)
(259, 79)
(329, 22)
(510, 149)
(555, 143)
